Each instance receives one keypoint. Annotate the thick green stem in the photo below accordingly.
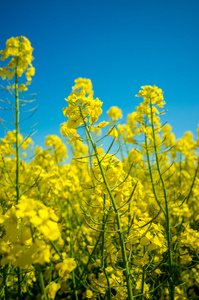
(17, 163)
(17, 135)
(151, 177)
(120, 232)
(168, 229)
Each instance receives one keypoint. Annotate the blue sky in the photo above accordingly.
(119, 45)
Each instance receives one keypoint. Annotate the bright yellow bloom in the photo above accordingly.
(115, 113)
(89, 294)
(81, 105)
(66, 267)
(52, 289)
(151, 93)
(30, 72)
(112, 131)
(20, 51)
(102, 124)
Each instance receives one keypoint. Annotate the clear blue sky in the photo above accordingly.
(119, 45)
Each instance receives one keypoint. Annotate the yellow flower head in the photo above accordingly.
(81, 105)
(20, 51)
(152, 94)
(66, 267)
(115, 113)
(52, 289)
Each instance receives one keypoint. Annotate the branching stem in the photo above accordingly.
(120, 232)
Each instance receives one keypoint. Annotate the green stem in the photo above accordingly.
(5, 279)
(17, 164)
(108, 283)
(17, 134)
(120, 232)
(195, 175)
(151, 177)
(168, 229)
(56, 249)
(89, 151)
(19, 282)
(41, 282)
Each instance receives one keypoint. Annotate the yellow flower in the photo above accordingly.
(3, 72)
(102, 124)
(115, 113)
(52, 289)
(81, 105)
(89, 294)
(20, 51)
(30, 72)
(152, 94)
(69, 132)
(66, 267)
(10, 74)
(22, 88)
(109, 269)
(112, 131)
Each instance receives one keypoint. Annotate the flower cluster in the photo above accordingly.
(27, 227)
(81, 105)
(20, 51)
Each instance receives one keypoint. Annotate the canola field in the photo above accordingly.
(108, 225)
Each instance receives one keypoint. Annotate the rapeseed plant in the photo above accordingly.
(106, 225)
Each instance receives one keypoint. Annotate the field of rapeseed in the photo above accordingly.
(117, 226)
